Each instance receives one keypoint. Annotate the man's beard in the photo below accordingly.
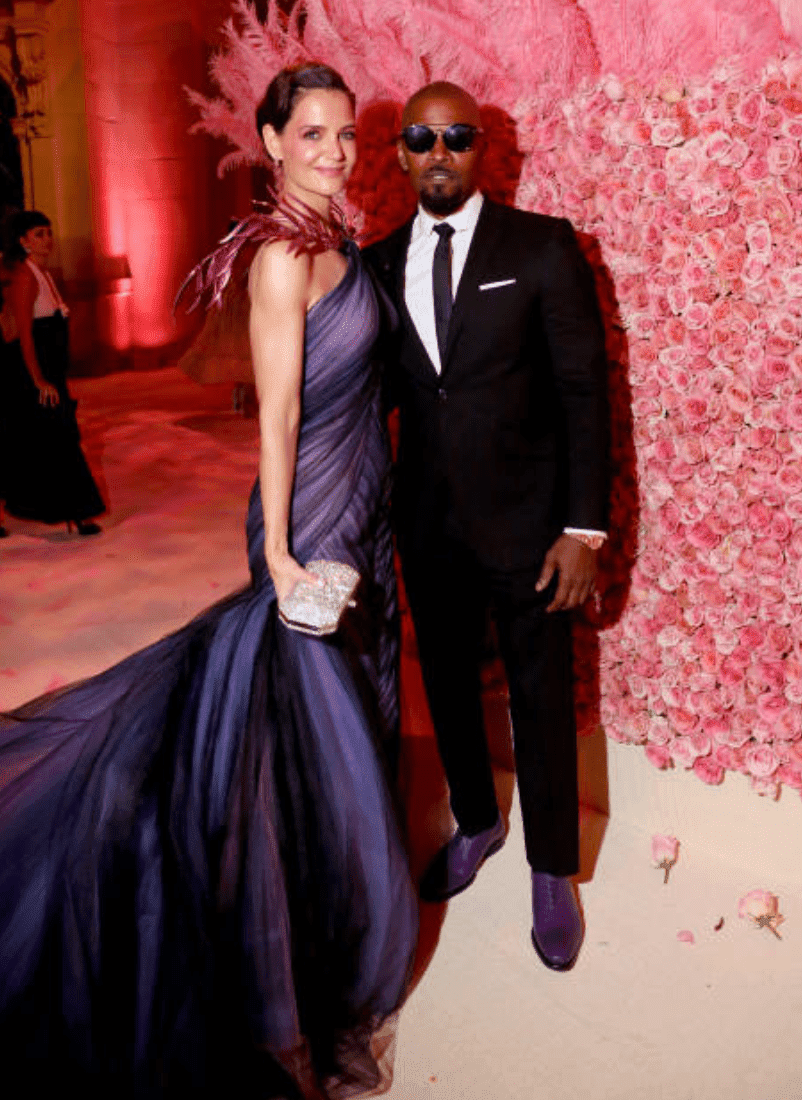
(440, 202)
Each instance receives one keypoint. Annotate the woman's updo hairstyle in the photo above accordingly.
(16, 226)
(287, 87)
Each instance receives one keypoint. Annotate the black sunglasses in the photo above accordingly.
(457, 138)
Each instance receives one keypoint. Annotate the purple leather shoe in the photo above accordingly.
(556, 921)
(457, 863)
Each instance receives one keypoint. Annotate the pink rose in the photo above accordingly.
(659, 731)
(669, 637)
(656, 182)
(730, 263)
(690, 449)
(664, 848)
(769, 559)
(781, 156)
(670, 517)
(792, 281)
(659, 756)
(778, 638)
(763, 385)
(777, 210)
(762, 734)
(738, 154)
(767, 788)
(781, 347)
(638, 133)
(702, 536)
(684, 722)
(792, 128)
(781, 527)
(788, 727)
(793, 412)
(701, 103)
(771, 672)
(714, 243)
(728, 757)
(674, 262)
(665, 133)
(758, 904)
(665, 852)
(758, 517)
(795, 753)
(677, 298)
(739, 397)
(761, 761)
(762, 908)
(624, 203)
(750, 109)
(696, 316)
(613, 88)
(755, 168)
(709, 770)
(766, 462)
(717, 728)
(675, 330)
(673, 356)
(772, 709)
(791, 104)
(753, 353)
(717, 145)
(696, 410)
(683, 751)
(790, 776)
(758, 239)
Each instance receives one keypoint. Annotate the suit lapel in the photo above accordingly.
(467, 303)
(404, 237)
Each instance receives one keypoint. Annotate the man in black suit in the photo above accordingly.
(500, 494)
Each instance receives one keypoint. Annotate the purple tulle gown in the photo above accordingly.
(202, 885)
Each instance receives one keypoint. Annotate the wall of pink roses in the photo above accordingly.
(673, 142)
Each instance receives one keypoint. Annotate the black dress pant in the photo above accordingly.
(450, 593)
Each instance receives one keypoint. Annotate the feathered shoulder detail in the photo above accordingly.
(280, 219)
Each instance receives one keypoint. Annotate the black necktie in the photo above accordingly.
(441, 286)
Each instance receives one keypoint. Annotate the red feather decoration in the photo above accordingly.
(305, 231)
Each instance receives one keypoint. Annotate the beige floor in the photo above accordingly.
(642, 1015)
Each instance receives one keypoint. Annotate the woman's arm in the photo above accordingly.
(279, 288)
(22, 296)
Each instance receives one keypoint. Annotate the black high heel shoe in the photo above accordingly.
(4, 533)
(85, 527)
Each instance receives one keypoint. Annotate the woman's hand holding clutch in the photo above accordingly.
(316, 605)
(286, 573)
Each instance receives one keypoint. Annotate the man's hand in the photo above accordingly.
(576, 565)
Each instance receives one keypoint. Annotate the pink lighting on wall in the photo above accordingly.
(152, 182)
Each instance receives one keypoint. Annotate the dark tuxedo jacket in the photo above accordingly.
(508, 444)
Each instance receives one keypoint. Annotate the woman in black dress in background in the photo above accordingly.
(45, 476)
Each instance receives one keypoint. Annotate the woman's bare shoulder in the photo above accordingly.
(279, 275)
(22, 275)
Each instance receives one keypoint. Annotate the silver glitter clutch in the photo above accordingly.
(317, 609)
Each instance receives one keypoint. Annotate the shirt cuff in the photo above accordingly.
(592, 538)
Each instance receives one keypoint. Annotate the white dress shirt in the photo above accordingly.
(420, 257)
(418, 292)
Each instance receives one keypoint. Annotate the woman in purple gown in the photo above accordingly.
(202, 885)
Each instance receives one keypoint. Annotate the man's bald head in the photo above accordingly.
(443, 90)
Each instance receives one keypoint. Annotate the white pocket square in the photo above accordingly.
(493, 286)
